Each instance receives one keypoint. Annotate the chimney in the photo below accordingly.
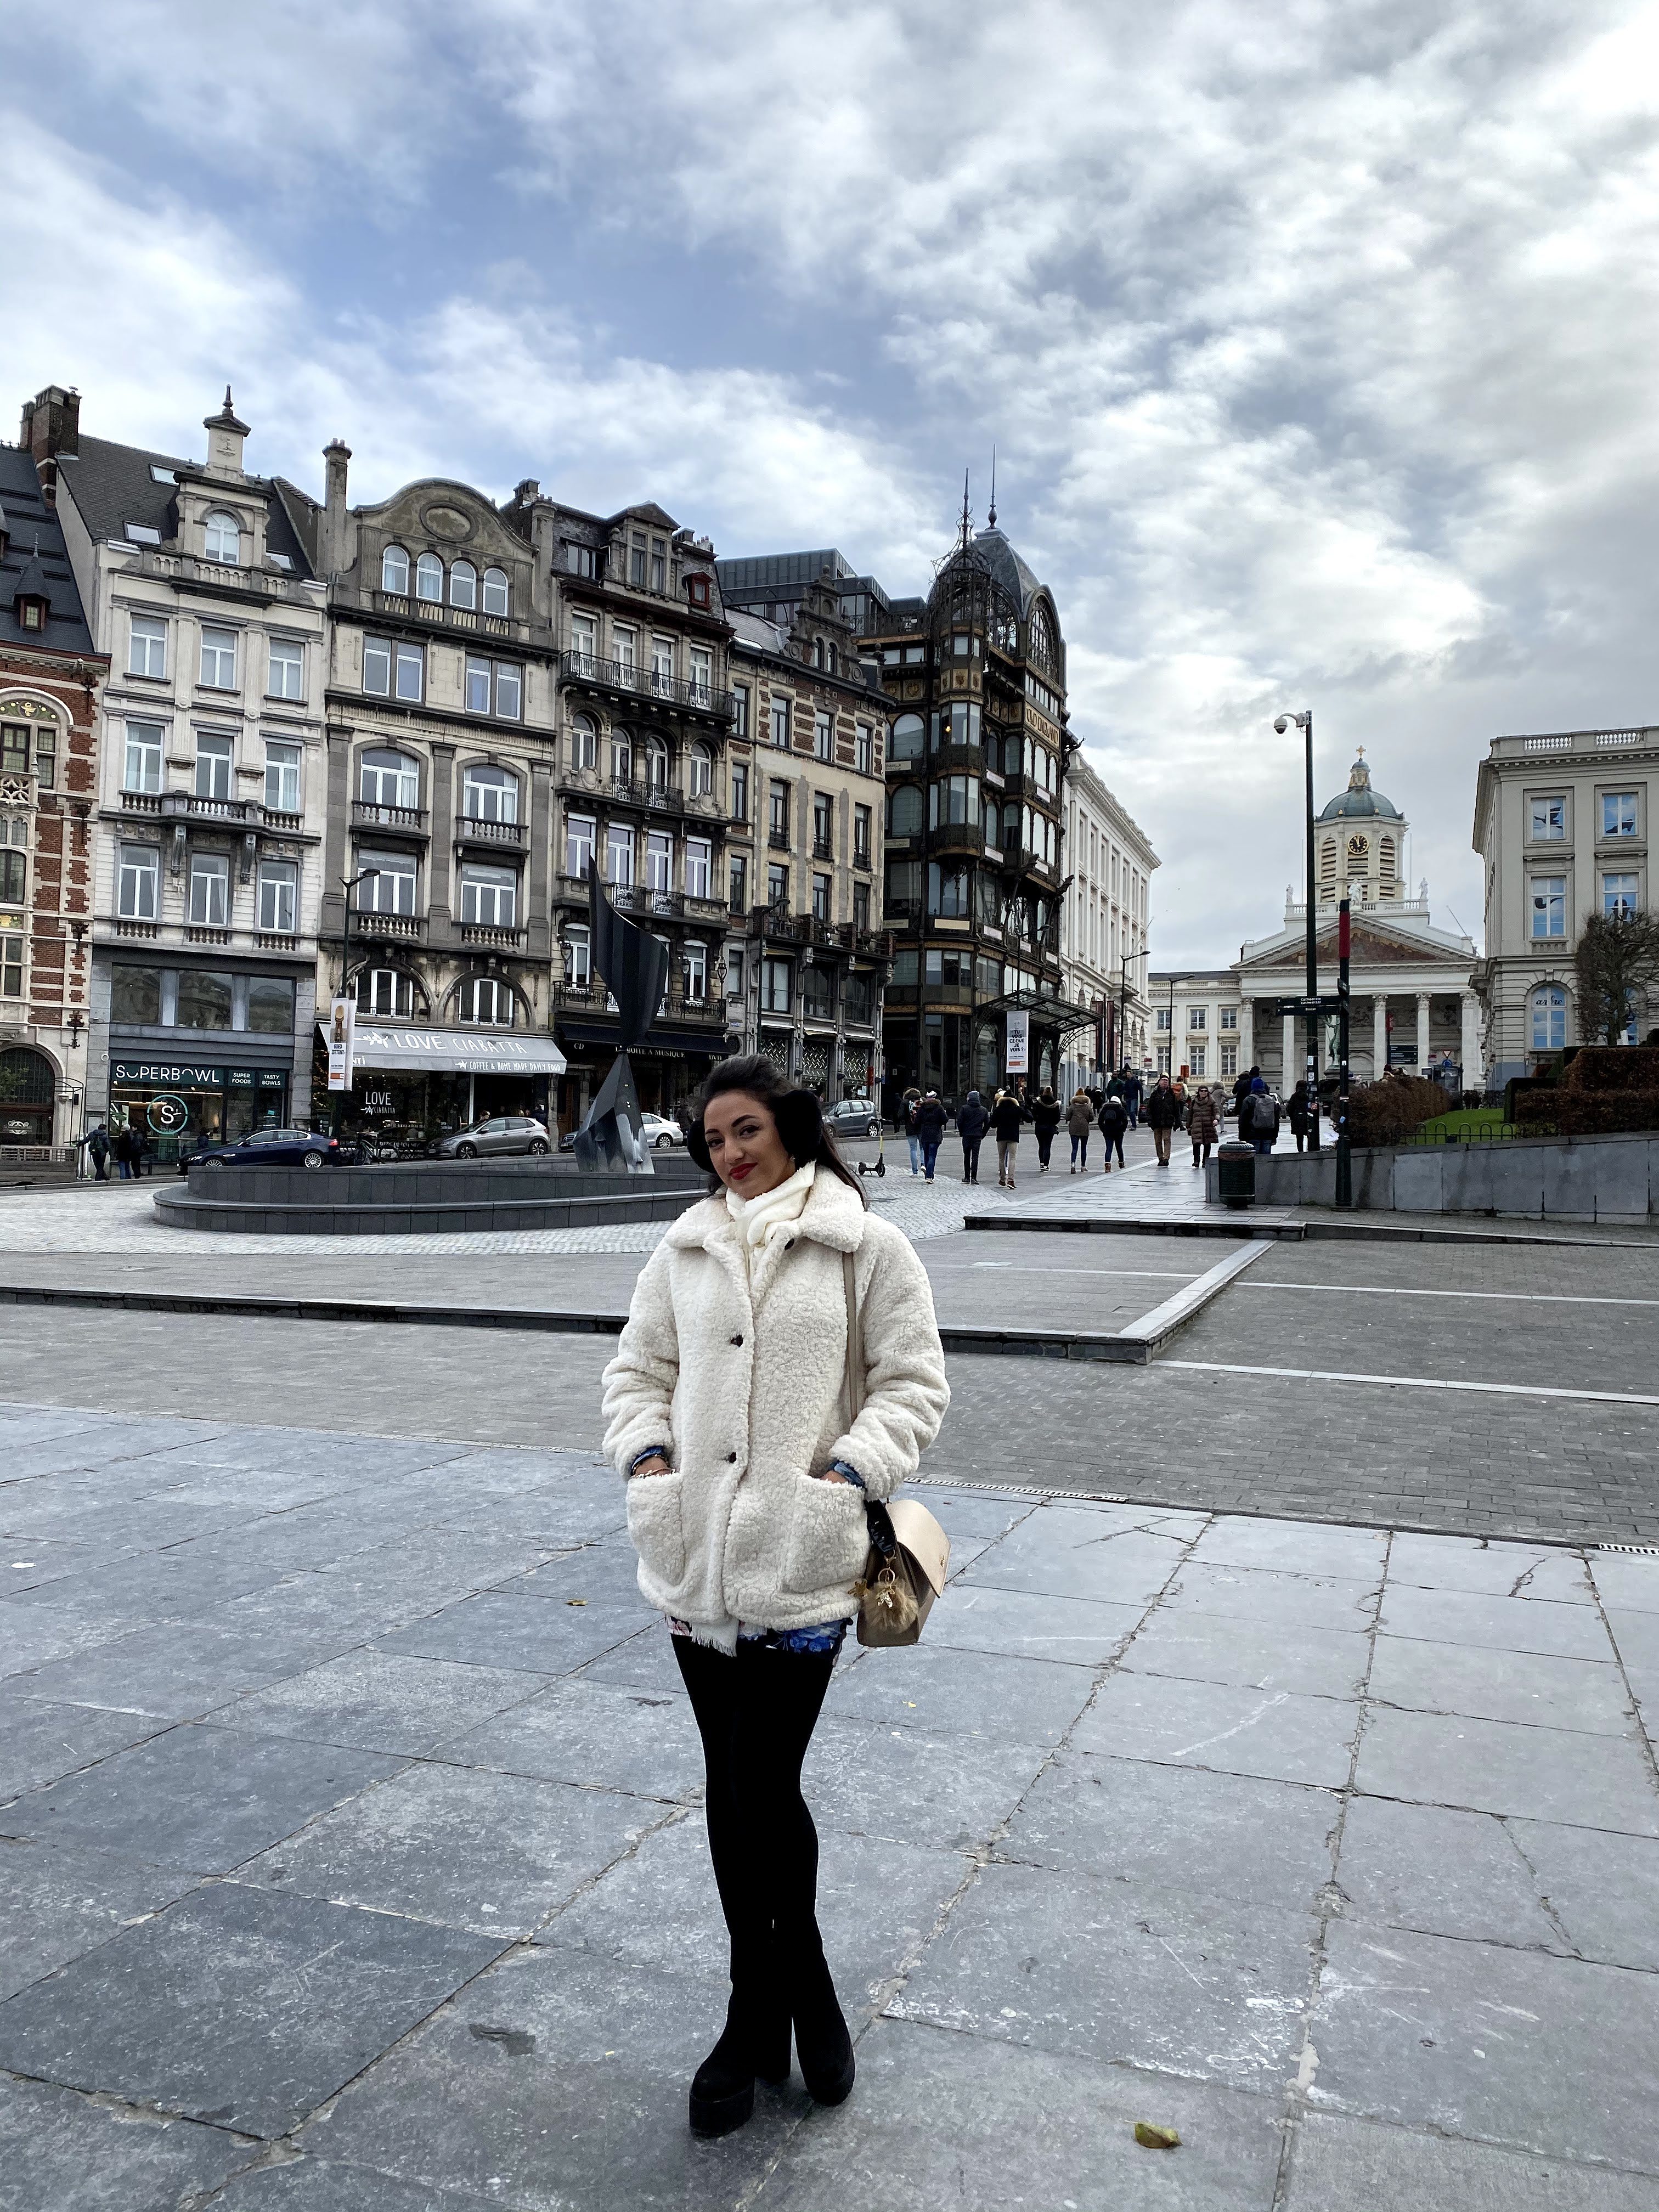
(225, 437)
(337, 456)
(52, 425)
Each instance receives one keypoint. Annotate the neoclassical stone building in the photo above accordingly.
(1413, 1004)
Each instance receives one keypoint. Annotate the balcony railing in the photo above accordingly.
(1572, 741)
(875, 941)
(823, 849)
(125, 928)
(410, 925)
(778, 840)
(141, 802)
(500, 936)
(678, 1004)
(654, 797)
(783, 927)
(435, 610)
(407, 821)
(903, 912)
(640, 683)
(197, 933)
(513, 836)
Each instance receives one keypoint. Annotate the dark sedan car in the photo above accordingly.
(273, 1148)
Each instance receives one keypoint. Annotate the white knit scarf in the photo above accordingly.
(762, 1219)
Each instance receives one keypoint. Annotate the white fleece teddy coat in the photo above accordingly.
(744, 1381)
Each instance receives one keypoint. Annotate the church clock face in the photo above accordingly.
(1358, 849)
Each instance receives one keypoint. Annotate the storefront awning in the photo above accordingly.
(465, 1052)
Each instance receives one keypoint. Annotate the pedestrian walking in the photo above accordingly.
(1008, 1111)
(1299, 1108)
(1132, 1092)
(726, 1412)
(1203, 1123)
(124, 1154)
(1080, 1119)
(1163, 1113)
(908, 1106)
(1045, 1120)
(1240, 1089)
(930, 1119)
(96, 1141)
(1258, 1117)
(1113, 1121)
(972, 1122)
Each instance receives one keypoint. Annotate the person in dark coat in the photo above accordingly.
(125, 1152)
(1240, 1089)
(906, 1121)
(1114, 1120)
(1132, 1090)
(1045, 1120)
(929, 1122)
(972, 1122)
(1301, 1114)
(1163, 1113)
(1258, 1117)
(97, 1144)
(1203, 1123)
(1006, 1114)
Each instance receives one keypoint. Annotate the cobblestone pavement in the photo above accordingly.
(350, 1812)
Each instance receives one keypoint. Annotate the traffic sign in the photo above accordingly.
(1330, 1004)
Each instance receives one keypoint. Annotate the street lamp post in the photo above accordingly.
(350, 885)
(1303, 721)
(1123, 1001)
(1344, 1165)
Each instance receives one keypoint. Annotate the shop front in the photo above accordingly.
(412, 1086)
(178, 1105)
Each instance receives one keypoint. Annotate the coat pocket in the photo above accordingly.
(828, 1537)
(655, 1525)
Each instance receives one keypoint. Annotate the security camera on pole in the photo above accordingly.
(1310, 1008)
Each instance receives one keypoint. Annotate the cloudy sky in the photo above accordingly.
(1318, 341)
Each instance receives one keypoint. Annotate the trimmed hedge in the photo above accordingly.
(1389, 1112)
(1615, 1067)
(1569, 1113)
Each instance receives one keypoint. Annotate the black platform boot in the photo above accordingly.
(823, 2043)
(754, 2042)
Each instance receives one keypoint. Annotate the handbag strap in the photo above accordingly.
(875, 1513)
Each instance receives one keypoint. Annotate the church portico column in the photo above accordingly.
(1422, 1030)
(1246, 1034)
(1288, 1070)
(1379, 1033)
(1474, 1072)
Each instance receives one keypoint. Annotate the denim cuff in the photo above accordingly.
(840, 1466)
(651, 1451)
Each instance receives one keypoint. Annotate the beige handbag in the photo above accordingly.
(909, 1552)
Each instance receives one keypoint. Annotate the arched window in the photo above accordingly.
(621, 757)
(699, 772)
(28, 1086)
(429, 578)
(904, 812)
(487, 1001)
(908, 739)
(494, 591)
(463, 585)
(389, 778)
(1549, 1018)
(1042, 649)
(387, 993)
(394, 570)
(222, 538)
(656, 764)
(490, 795)
(584, 742)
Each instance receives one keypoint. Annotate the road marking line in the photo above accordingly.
(1181, 1306)
(1388, 1290)
(1412, 1382)
(1147, 1275)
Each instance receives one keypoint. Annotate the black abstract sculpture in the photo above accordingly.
(633, 965)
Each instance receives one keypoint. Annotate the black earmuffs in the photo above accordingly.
(800, 1125)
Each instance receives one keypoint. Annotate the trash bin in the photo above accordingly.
(1235, 1175)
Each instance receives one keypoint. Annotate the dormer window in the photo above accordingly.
(140, 533)
(31, 612)
(222, 539)
(696, 590)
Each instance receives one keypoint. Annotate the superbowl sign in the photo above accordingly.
(342, 1036)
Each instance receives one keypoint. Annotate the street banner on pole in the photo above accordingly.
(1019, 1043)
(341, 1036)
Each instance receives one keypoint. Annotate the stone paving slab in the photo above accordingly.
(402, 1900)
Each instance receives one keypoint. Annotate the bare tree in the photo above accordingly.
(1616, 962)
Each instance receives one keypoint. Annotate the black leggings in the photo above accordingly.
(756, 1712)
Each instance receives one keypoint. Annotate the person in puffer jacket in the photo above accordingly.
(972, 1122)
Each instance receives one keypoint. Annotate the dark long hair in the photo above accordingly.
(797, 1113)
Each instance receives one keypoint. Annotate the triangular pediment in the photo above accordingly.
(1373, 942)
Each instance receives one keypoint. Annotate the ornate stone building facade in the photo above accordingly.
(50, 681)
(207, 830)
(1103, 929)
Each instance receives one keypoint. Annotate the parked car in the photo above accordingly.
(497, 1135)
(658, 1133)
(854, 1117)
(271, 1148)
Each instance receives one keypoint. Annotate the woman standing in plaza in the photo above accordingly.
(726, 1411)
(1203, 1124)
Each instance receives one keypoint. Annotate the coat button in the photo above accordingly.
(789, 1244)
(731, 1459)
(737, 1339)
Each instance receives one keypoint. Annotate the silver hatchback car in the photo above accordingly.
(500, 1133)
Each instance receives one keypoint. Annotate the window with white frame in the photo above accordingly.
(147, 646)
(1230, 1059)
(393, 670)
(693, 961)
(1547, 817)
(490, 794)
(143, 770)
(385, 991)
(618, 853)
(213, 765)
(662, 666)
(1549, 906)
(394, 571)
(1196, 1059)
(579, 831)
(1163, 1021)
(577, 960)
(1619, 814)
(1549, 1018)
(702, 661)
(487, 1001)
(222, 539)
(699, 772)
(388, 779)
(624, 644)
(429, 579)
(1228, 1018)
(584, 742)
(1164, 1059)
(463, 585)
(210, 890)
(490, 897)
(282, 776)
(494, 591)
(584, 642)
(659, 860)
(219, 659)
(279, 891)
(390, 889)
(656, 764)
(621, 757)
(138, 883)
(699, 867)
(1198, 1017)
(1619, 897)
(285, 672)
